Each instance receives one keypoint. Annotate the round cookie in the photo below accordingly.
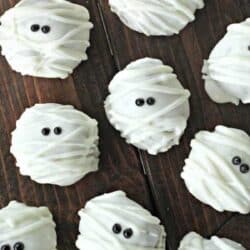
(156, 17)
(26, 228)
(148, 105)
(217, 170)
(47, 38)
(226, 72)
(55, 144)
(113, 221)
(193, 241)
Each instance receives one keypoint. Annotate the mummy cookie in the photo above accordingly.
(217, 170)
(55, 144)
(148, 105)
(113, 221)
(46, 38)
(26, 228)
(226, 72)
(194, 241)
(156, 17)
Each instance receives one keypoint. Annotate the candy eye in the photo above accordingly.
(57, 130)
(35, 27)
(248, 47)
(5, 247)
(244, 168)
(139, 102)
(46, 29)
(45, 131)
(19, 246)
(128, 233)
(236, 160)
(151, 101)
(117, 228)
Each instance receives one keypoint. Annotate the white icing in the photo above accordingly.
(54, 54)
(154, 128)
(193, 241)
(55, 159)
(156, 17)
(32, 226)
(226, 72)
(210, 174)
(103, 212)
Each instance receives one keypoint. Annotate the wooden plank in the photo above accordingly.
(178, 209)
(119, 168)
(237, 229)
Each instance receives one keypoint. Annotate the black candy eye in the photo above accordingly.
(244, 168)
(46, 131)
(236, 160)
(5, 247)
(248, 47)
(139, 102)
(128, 233)
(35, 27)
(46, 29)
(117, 228)
(151, 101)
(57, 130)
(19, 246)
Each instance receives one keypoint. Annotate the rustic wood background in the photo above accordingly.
(154, 182)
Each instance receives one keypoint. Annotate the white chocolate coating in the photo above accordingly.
(101, 214)
(226, 72)
(154, 128)
(210, 174)
(32, 226)
(194, 241)
(60, 159)
(54, 54)
(156, 17)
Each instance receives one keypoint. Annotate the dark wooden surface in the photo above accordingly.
(154, 182)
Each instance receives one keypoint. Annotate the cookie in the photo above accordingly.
(217, 170)
(45, 38)
(193, 241)
(148, 105)
(26, 228)
(55, 144)
(156, 17)
(226, 72)
(113, 221)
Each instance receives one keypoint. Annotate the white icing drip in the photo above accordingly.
(52, 55)
(154, 128)
(156, 17)
(29, 225)
(226, 72)
(193, 241)
(56, 159)
(210, 175)
(101, 213)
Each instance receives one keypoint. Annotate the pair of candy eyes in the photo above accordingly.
(17, 246)
(47, 131)
(127, 233)
(244, 168)
(141, 101)
(36, 27)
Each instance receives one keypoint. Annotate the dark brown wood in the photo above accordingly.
(122, 167)
(85, 90)
(237, 229)
(180, 212)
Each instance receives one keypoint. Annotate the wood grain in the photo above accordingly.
(122, 166)
(180, 212)
(85, 90)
